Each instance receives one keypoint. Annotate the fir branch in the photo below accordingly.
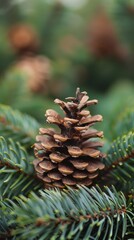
(120, 159)
(16, 177)
(125, 123)
(5, 217)
(72, 214)
(130, 203)
(17, 126)
(125, 186)
(16, 170)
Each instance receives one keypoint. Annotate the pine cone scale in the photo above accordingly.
(47, 165)
(69, 181)
(49, 131)
(90, 120)
(86, 182)
(92, 133)
(93, 175)
(95, 145)
(60, 137)
(74, 151)
(56, 176)
(79, 164)
(66, 169)
(91, 152)
(80, 174)
(57, 157)
(46, 179)
(49, 144)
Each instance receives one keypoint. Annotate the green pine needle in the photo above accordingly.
(72, 214)
(16, 170)
(17, 126)
(120, 159)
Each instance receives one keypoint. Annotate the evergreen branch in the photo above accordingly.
(16, 177)
(130, 203)
(5, 217)
(72, 214)
(16, 170)
(125, 124)
(125, 186)
(17, 126)
(120, 159)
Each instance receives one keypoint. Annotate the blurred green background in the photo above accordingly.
(48, 48)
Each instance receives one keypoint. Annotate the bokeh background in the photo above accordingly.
(48, 48)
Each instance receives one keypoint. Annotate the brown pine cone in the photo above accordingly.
(102, 39)
(71, 156)
(23, 38)
(37, 72)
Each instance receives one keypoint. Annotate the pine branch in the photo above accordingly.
(125, 124)
(130, 203)
(120, 159)
(16, 170)
(72, 214)
(20, 127)
(5, 217)
(16, 177)
(125, 186)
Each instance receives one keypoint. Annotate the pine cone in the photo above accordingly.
(102, 37)
(37, 72)
(70, 157)
(23, 38)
